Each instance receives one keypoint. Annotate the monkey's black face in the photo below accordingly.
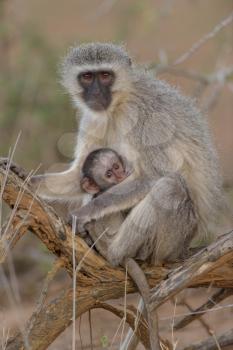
(97, 88)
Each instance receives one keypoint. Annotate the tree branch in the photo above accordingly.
(222, 340)
(211, 265)
(197, 313)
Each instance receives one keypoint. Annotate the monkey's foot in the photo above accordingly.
(19, 171)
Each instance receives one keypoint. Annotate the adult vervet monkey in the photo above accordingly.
(175, 189)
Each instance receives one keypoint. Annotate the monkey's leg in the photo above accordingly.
(140, 280)
(161, 224)
(54, 186)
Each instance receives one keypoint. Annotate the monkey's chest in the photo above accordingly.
(120, 141)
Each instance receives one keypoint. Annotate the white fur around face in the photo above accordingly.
(94, 124)
(70, 82)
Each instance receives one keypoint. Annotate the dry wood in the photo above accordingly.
(197, 313)
(200, 319)
(222, 340)
(211, 265)
(215, 255)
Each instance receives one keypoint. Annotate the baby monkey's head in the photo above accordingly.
(102, 169)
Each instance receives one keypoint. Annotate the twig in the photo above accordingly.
(125, 304)
(184, 73)
(57, 265)
(222, 340)
(74, 220)
(197, 313)
(141, 330)
(200, 319)
(13, 302)
(90, 325)
(211, 100)
(80, 333)
(225, 22)
(103, 9)
(202, 262)
(18, 228)
(11, 155)
(218, 76)
(174, 342)
(131, 340)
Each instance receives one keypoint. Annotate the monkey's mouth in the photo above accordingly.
(99, 105)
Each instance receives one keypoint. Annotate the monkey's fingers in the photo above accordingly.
(79, 225)
(80, 228)
(88, 240)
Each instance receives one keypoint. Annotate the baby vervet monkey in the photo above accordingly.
(102, 169)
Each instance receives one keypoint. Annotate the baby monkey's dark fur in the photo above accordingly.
(102, 169)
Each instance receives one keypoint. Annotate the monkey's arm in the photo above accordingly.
(63, 185)
(120, 197)
(49, 186)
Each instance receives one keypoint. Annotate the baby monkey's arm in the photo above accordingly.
(118, 198)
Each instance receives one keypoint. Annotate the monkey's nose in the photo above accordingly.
(120, 177)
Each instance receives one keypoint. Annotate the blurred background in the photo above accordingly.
(35, 35)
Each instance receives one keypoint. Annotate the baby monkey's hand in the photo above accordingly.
(78, 223)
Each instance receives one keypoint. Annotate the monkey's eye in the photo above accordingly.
(108, 173)
(86, 77)
(106, 77)
(115, 166)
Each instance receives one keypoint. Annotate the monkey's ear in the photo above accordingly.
(89, 186)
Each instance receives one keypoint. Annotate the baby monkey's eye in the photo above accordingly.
(108, 173)
(115, 166)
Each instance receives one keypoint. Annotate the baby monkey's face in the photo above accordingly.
(109, 170)
(102, 170)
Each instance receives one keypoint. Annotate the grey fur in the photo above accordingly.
(175, 190)
(95, 53)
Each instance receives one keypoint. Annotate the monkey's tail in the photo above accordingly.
(140, 280)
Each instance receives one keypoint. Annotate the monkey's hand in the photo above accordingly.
(19, 171)
(78, 222)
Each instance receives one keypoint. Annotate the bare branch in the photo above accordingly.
(17, 229)
(225, 22)
(225, 339)
(216, 254)
(197, 313)
(109, 282)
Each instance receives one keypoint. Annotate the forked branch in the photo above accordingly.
(211, 265)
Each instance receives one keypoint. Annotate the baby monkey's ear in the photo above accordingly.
(88, 185)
